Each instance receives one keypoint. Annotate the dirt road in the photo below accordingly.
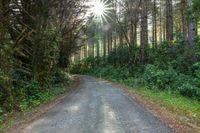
(97, 107)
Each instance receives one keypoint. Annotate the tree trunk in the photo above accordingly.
(161, 31)
(192, 27)
(154, 24)
(144, 30)
(169, 20)
(104, 45)
(184, 19)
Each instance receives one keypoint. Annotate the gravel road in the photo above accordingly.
(97, 107)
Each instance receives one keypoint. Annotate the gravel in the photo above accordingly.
(97, 107)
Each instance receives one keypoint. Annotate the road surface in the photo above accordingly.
(97, 107)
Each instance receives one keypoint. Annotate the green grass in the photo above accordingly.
(9, 120)
(174, 102)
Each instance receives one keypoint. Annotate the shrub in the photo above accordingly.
(169, 79)
(168, 67)
(60, 77)
(75, 68)
(189, 90)
(86, 65)
(156, 77)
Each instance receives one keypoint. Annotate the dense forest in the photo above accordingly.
(37, 37)
(154, 43)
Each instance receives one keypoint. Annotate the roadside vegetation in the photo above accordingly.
(35, 47)
(170, 67)
(168, 72)
(33, 101)
(170, 76)
(156, 52)
(153, 44)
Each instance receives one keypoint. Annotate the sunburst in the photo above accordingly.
(101, 9)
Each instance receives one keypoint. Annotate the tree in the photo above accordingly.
(34, 36)
(144, 29)
(154, 27)
(184, 19)
(169, 20)
(192, 25)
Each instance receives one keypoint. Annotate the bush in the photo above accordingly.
(86, 65)
(75, 68)
(158, 77)
(171, 80)
(60, 77)
(189, 90)
(124, 57)
(168, 67)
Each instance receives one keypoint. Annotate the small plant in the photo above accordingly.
(189, 90)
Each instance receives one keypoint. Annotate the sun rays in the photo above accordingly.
(101, 10)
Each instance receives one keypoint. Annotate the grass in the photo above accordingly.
(174, 102)
(10, 119)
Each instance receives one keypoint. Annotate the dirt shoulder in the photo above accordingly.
(174, 120)
(97, 107)
(22, 121)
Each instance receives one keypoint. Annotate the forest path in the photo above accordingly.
(97, 107)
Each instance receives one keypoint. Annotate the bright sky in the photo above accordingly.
(99, 8)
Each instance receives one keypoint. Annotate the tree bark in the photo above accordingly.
(184, 19)
(169, 20)
(144, 30)
(154, 24)
(192, 27)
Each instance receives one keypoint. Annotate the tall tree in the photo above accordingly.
(169, 20)
(192, 25)
(154, 27)
(144, 29)
(184, 19)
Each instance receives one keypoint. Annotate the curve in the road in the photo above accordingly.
(97, 107)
